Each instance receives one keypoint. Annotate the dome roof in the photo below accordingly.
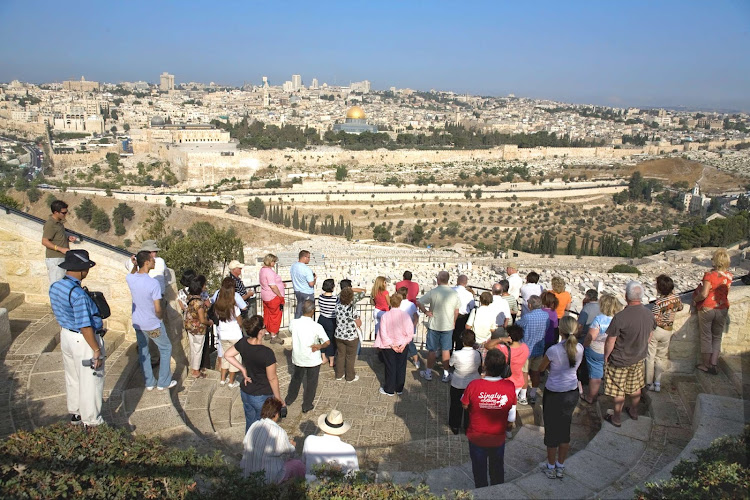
(157, 121)
(356, 113)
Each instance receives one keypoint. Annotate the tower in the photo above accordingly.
(296, 82)
(166, 82)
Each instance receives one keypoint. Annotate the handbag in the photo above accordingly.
(506, 373)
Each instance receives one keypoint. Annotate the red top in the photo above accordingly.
(518, 357)
(718, 295)
(413, 288)
(490, 400)
(382, 301)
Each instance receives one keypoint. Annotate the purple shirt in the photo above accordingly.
(549, 334)
(144, 290)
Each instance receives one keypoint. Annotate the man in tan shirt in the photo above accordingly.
(56, 241)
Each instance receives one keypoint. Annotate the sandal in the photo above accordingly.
(585, 400)
(704, 369)
(627, 410)
(608, 418)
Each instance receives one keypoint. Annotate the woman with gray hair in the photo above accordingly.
(712, 302)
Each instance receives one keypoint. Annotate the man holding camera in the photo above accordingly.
(80, 340)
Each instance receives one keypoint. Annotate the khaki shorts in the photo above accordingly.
(225, 345)
(532, 364)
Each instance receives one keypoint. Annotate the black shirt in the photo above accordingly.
(255, 359)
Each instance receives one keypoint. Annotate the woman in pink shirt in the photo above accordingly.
(396, 331)
(271, 293)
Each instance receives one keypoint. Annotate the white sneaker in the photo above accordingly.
(356, 377)
(426, 374)
(656, 387)
(171, 384)
(522, 401)
(233, 384)
(382, 391)
(223, 382)
(342, 377)
(446, 377)
(551, 473)
(559, 472)
(417, 365)
(150, 388)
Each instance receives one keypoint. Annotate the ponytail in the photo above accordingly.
(567, 326)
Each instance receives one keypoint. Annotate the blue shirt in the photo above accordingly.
(73, 307)
(534, 324)
(302, 275)
(145, 290)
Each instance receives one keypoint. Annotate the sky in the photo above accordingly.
(656, 53)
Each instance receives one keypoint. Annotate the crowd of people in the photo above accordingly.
(494, 350)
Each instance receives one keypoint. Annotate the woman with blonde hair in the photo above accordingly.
(712, 302)
(560, 395)
(228, 329)
(594, 343)
(272, 295)
(381, 300)
(563, 297)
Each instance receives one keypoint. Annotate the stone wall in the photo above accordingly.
(22, 266)
(684, 350)
(64, 161)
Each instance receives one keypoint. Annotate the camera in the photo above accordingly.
(282, 412)
(101, 332)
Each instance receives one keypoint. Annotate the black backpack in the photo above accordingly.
(99, 300)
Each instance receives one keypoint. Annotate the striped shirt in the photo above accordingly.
(72, 306)
(512, 303)
(664, 310)
(327, 305)
(266, 448)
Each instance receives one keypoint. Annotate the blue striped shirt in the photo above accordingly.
(72, 306)
(534, 324)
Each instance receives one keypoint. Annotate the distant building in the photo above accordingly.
(363, 86)
(181, 133)
(81, 85)
(694, 201)
(314, 85)
(355, 122)
(166, 82)
(296, 82)
(288, 86)
(79, 116)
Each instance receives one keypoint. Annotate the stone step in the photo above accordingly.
(4, 290)
(688, 391)
(197, 402)
(12, 300)
(718, 385)
(734, 367)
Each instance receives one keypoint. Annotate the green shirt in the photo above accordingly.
(443, 302)
(54, 231)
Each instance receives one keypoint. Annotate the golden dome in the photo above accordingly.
(356, 113)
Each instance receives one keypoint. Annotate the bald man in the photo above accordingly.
(443, 303)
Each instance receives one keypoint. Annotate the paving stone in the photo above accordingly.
(448, 479)
(636, 429)
(140, 398)
(618, 448)
(199, 420)
(45, 385)
(50, 410)
(538, 485)
(49, 362)
(510, 491)
(593, 470)
(155, 420)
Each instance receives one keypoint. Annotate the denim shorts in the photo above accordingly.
(439, 341)
(595, 362)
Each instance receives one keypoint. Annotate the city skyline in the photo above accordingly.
(649, 55)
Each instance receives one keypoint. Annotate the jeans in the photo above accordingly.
(479, 456)
(252, 406)
(329, 325)
(411, 350)
(165, 355)
(301, 298)
(308, 377)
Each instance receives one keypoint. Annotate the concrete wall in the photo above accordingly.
(22, 267)
(684, 350)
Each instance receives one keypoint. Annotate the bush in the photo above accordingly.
(8, 201)
(720, 471)
(34, 194)
(625, 269)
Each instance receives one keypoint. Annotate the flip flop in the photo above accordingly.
(608, 418)
(583, 398)
(627, 410)
(698, 367)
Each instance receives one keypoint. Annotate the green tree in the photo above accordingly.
(416, 235)
(381, 233)
(571, 248)
(341, 173)
(126, 127)
(85, 210)
(256, 207)
(100, 221)
(34, 194)
(123, 212)
(156, 223)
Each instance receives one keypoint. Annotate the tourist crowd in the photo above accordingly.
(497, 351)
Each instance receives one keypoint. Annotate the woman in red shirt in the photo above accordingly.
(381, 299)
(491, 402)
(712, 301)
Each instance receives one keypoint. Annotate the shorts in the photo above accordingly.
(595, 362)
(532, 364)
(439, 341)
(620, 381)
(225, 345)
(558, 410)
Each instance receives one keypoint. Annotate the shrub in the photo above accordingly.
(8, 201)
(720, 471)
(625, 269)
(34, 194)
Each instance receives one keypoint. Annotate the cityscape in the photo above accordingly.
(580, 150)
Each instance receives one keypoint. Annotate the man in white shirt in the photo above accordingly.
(159, 272)
(514, 280)
(500, 307)
(329, 448)
(308, 338)
(466, 299)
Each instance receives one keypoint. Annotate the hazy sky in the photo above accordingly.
(618, 53)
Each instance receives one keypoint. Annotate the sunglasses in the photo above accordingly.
(64, 213)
